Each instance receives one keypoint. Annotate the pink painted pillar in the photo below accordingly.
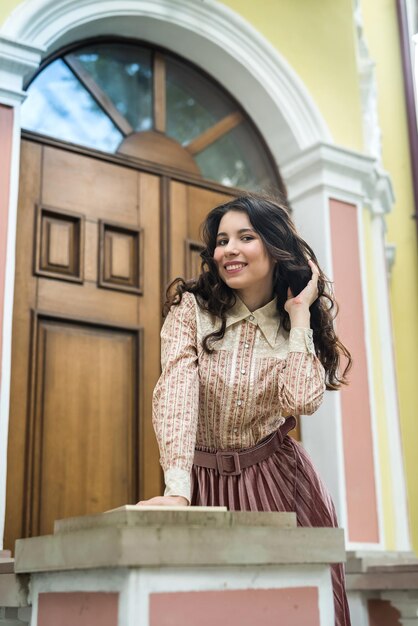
(78, 609)
(295, 606)
(355, 399)
(6, 135)
(382, 613)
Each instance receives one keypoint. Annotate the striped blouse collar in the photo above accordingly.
(266, 317)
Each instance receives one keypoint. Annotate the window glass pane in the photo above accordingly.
(59, 106)
(238, 159)
(193, 102)
(124, 73)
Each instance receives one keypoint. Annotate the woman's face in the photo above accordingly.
(241, 256)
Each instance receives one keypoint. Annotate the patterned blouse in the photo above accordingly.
(258, 375)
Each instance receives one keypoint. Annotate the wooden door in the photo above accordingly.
(85, 359)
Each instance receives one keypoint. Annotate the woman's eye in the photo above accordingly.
(247, 238)
(222, 242)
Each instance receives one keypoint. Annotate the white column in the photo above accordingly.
(16, 59)
(318, 174)
(389, 391)
(359, 612)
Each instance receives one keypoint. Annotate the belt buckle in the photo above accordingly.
(220, 463)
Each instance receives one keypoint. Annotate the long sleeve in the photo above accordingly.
(176, 395)
(302, 380)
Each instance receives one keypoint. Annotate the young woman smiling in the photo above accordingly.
(246, 348)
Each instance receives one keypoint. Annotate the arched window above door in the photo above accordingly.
(130, 99)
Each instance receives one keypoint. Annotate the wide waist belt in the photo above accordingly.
(231, 462)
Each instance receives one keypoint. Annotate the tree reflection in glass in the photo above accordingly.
(59, 106)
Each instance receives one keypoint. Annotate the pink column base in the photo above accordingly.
(78, 609)
(297, 606)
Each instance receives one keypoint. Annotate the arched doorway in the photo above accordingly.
(105, 219)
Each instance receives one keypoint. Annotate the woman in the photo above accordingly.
(246, 347)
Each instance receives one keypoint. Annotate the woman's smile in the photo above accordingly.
(234, 267)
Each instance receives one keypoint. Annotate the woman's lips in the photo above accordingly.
(234, 268)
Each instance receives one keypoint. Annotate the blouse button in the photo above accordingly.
(242, 371)
(239, 402)
(247, 345)
(235, 431)
(251, 318)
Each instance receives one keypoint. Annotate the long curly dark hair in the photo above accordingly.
(271, 219)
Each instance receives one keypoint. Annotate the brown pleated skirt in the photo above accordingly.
(285, 481)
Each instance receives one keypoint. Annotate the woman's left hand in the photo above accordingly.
(298, 306)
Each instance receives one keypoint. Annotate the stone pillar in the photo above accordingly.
(139, 565)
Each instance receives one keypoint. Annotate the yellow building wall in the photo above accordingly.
(317, 39)
(6, 7)
(383, 41)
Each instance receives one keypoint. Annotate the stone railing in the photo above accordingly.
(383, 588)
(168, 567)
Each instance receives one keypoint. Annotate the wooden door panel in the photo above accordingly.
(85, 185)
(59, 245)
(85, 420)
(150, 318)
(87, 301)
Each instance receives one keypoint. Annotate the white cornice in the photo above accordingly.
(16, 60)
(342, 173)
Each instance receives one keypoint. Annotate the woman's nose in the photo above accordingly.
(230, 250)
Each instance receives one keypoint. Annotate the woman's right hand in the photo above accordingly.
(164, 501)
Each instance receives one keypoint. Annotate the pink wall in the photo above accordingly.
(6, 133)
(382, 613)
(246, 607)
(357, 429)
(78, 609)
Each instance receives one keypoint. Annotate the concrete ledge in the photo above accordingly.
(381, 571)
(382, 581)
(134, 538)
(213, 517)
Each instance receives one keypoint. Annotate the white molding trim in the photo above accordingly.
(214, 36)
(16, 60)
(390, 392)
